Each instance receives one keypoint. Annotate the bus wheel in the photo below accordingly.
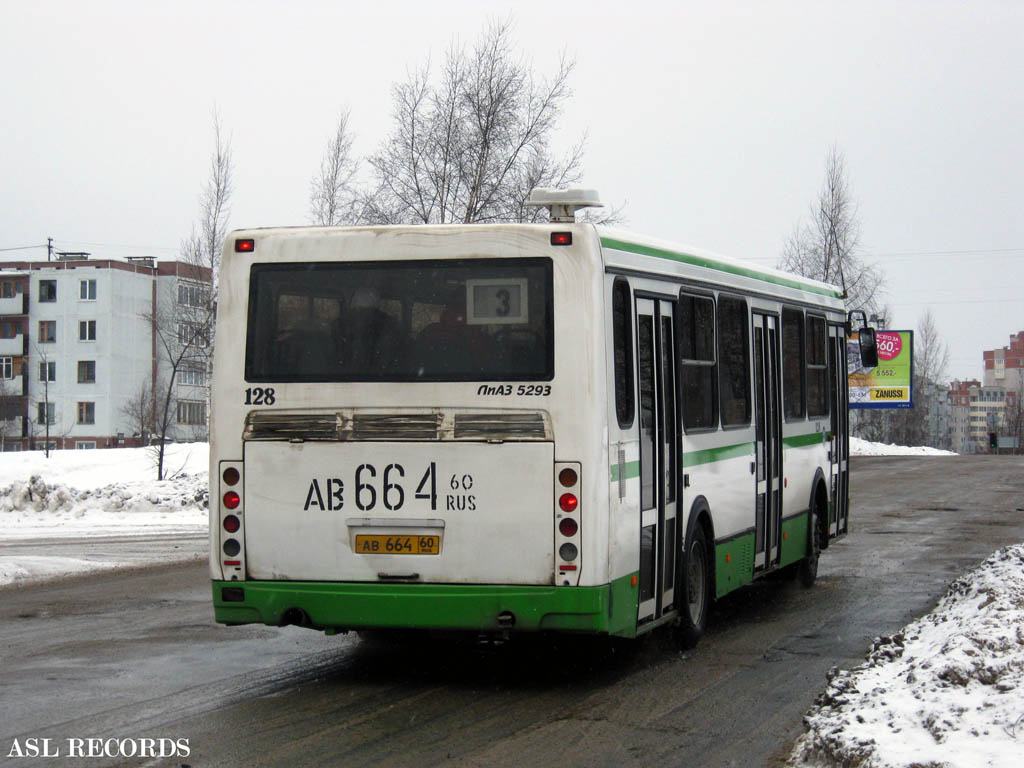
(695, 590)
(808, 569)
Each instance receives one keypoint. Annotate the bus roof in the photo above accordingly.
(630, 242)
(612, 240)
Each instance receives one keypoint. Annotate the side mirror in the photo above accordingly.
(868, 347)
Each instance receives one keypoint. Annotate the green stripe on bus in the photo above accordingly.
(690, 459)
(632, 470)
(709, 455)
(702, 261)
(799, 441)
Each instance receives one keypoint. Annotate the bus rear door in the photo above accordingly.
(658, 460)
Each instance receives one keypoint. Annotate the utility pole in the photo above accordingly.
(49, 249)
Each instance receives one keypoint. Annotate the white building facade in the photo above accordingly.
(76, 349)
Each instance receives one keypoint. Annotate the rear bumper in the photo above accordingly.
(606, 609)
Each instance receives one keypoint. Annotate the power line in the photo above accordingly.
(23, 247)
(958, 301)
(972, 251)
(121, 245)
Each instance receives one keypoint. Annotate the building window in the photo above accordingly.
(87, 413)
(6, 367)
(47, 331)
(191, 412)
(193, 377)
(87, 290)
(46, 413)
(8, 289)
(190, 334)
(9, 329)
(87, 330)
(47, 371)
(191, 295)
(47, 290)
(85, 445)
(86, 371)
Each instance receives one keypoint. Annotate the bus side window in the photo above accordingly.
(793, 363)
(734, 361)
(817, 367)
(698, 365)
(622, 350)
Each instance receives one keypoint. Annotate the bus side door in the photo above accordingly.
(768, 441)
(839, 451)
(658, 460)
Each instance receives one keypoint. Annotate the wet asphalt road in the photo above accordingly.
(137, 655)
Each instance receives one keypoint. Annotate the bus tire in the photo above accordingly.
(807, 571)
(694, 589)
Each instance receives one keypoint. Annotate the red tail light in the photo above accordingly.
(568, 502)
(232, 524)
(568, 527)
(231, 500)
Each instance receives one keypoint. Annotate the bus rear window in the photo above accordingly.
(466, 320)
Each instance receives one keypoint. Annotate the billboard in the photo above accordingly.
(890, 383)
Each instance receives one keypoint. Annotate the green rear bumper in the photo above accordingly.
(607, 609)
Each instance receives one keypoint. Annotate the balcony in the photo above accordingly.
(14, 305)
(15, 346)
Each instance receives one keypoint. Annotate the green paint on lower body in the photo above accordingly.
(794, 540)
(606, 609)
(734, 564)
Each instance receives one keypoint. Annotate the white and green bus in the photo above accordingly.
(515, 427)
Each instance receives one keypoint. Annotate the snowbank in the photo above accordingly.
(860, 447)
(75, 495)
(95, 469)
(102, 492)
(946, 691)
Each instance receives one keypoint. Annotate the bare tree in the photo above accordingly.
(333, 195)
(202, 248)
(183, 319)
(471, 148)
(140, 412)
(181, 334)
(826, 247)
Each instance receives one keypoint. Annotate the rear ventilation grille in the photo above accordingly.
(348, 425)
(500, 426)
(291, 426)
(412, 426)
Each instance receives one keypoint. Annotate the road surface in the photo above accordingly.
(136, 655)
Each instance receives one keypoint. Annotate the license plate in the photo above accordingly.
(382, 544)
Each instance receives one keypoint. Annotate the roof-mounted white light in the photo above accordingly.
(562, 204)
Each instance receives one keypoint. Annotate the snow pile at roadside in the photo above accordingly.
(860, 447)
(946, 691)
(102, 492)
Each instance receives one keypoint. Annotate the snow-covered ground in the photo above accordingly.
(860, 447)
(947, 690)
(100, 493)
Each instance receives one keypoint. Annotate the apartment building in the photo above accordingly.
(76, 351)
(1003, 367)
(976, 412)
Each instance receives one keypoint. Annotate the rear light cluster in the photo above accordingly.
(567, 523)
(231, 516)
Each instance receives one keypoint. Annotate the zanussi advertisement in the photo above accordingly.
(889, 384)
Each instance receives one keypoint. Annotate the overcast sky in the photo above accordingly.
(710, 121)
